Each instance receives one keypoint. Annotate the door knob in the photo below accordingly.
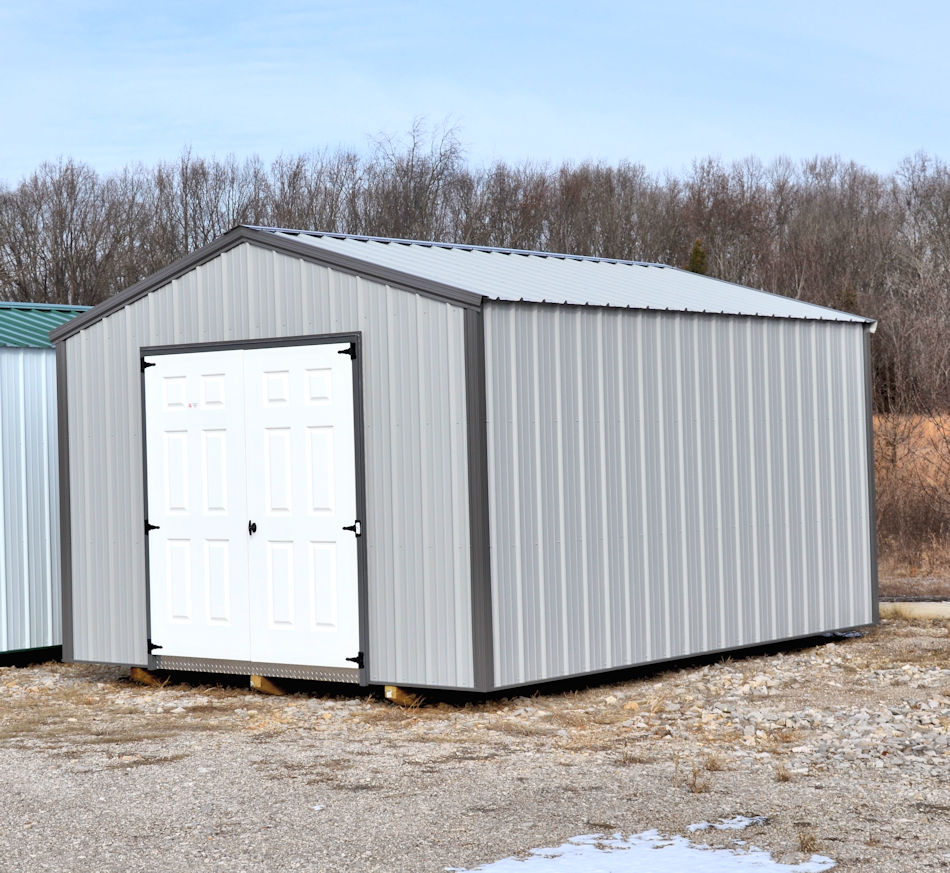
(252, 527)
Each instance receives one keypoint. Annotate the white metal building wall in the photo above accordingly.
(29, 501)
(417, 523)
(663, 484)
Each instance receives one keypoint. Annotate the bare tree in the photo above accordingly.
(63, 234)
(408, 185)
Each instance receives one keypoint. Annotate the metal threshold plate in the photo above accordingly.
(285, 671)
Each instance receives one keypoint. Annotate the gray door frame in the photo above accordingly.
(360, 672)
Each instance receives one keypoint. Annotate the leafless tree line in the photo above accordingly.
(824, 230)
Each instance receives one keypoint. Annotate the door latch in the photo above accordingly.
(251, 528)
(356, 528)
(358, 660)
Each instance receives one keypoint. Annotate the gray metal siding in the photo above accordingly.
(663, 484)
(29, 501)
(417, 522)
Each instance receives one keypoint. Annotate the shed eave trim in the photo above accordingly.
(350, 264)
(859, 321)
(846, 316)
(150, 283)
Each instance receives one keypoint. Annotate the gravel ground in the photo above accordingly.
(842, 747)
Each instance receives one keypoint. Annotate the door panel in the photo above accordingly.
(320, 464)
(264, 436)
(322, 597)
(217, 570)
(194, 423)
(302, 477)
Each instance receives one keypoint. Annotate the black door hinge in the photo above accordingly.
(152, 647)
(356, 528)
(147, 364)
(150, 527)
(349, 350)
(358, 660)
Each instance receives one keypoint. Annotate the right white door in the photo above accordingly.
(301, 493)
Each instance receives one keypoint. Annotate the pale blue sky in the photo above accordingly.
(114, 83)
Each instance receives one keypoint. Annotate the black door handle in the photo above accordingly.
(252, 527)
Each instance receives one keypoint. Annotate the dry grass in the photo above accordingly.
(89, 707)
(912, 477)
(786, 736)
(401, 716)
(607, 717)
(73, 710)
(900, 612)
(808, 842)
(697, 781)
(522, 728)
(127, 762)
(35, 726)
(391, 715)
(471, 754)
(631, 754)
(714, 762)
(570, 718)
(922, 642)
(586, 742)
(935, 587)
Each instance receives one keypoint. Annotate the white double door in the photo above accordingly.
(251, 467)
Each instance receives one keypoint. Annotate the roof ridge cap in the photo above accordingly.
(452, 245)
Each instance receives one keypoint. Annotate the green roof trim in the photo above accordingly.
(27, 325)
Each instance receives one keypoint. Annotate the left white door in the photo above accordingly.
(195, 461)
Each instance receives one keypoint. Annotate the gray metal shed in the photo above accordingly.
(29, 480)
(382, 461)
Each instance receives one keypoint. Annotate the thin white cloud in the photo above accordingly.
(110, 84)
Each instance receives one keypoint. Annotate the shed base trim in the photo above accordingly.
(241, 668)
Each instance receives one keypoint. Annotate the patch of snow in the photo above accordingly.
(646, 853)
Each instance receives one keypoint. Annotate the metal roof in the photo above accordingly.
(27, 325)
(468, 275)
(542, 277)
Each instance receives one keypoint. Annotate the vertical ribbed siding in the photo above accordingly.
(29, 501)
(664, 484)
(417, 524)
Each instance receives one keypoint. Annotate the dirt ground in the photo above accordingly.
(935, 587)
(842, 747)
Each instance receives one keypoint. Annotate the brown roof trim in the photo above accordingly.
(267, 240)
